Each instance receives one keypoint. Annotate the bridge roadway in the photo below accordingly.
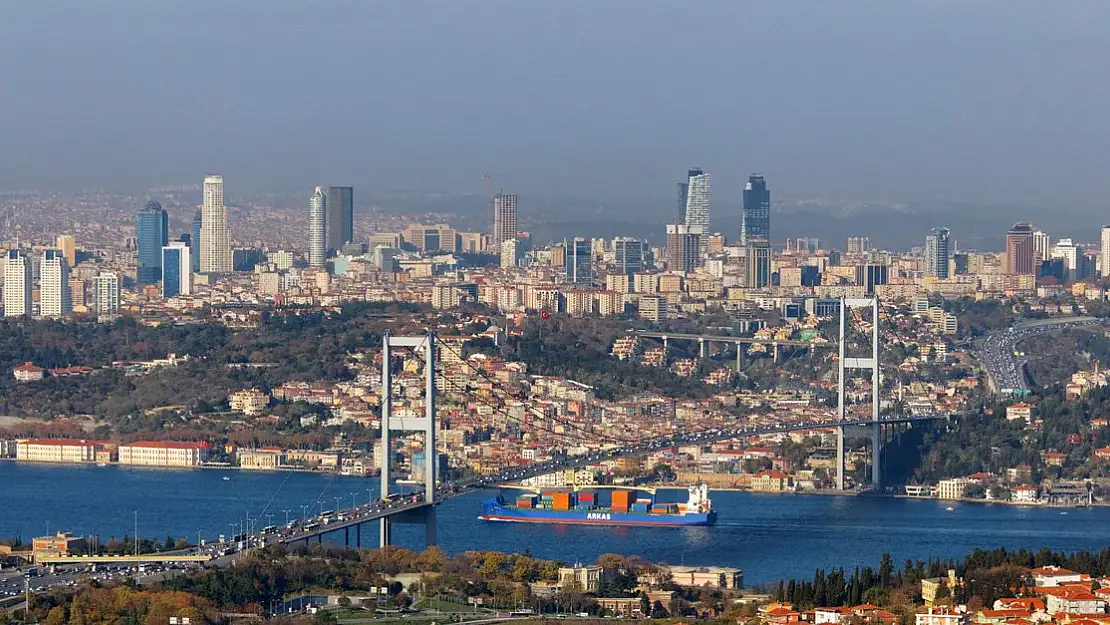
(711, 338)
(413, 503)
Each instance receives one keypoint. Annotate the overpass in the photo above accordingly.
(704, 342)
(139, 559)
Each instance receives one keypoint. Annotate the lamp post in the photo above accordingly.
(304, 512)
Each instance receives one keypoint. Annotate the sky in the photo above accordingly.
(992, 101)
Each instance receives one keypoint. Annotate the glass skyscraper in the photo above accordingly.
(176, 270)
(684, 192)
(151, 234)
(579, 254)
(697, 206)
(340, 216)
(194, 244)
(756, 223)
(936, 253)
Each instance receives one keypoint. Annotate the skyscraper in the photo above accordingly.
(317, 229)
(17, 284)
(340, 216)
(756, 221)
(758, 253)
(1019, 249)
(215, 238)
(697, 206)
(68, 245)
(936, 253)
(1104, 253)
(683, 243)
(504, 218)
(106, 294)
(684, 192)
(176, 270)
(628, 255)
(579, 268)
(858, 245)
(152, 231)
(55, 299)
(194, 243)
(1042, 250)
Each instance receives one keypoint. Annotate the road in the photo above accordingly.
(998, 351)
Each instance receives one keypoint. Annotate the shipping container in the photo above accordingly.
(561, 501)
(621, 498)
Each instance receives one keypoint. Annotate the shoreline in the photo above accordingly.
(217, 467)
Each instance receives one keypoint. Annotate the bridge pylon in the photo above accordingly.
(426, 424)
(868, 363)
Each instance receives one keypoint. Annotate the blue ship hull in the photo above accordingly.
(494, 510)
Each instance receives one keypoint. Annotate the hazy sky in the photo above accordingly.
(1003, 101)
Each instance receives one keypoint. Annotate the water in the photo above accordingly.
(770, 536)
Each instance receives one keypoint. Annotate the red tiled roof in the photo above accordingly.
(169, 444)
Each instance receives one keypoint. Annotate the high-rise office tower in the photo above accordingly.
(1019, 249)
(1072, 255)
(106, 294)
(870, 276)
(152, 232)
(756, 221)
(68, 245)
(936, 253)
(579, 268)
(1042, 248)
(177, 275)
(317, 229)
(17, 284)
(684, 193)
(55, 299)
(504, 218)
(215, 238)
(697, 206)
(340, 216)
(759, 263)
(628, 255)
(1104, 253)
(194, 243)
(683, 243)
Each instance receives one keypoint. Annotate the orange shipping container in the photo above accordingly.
(621, 498)
(561, 501)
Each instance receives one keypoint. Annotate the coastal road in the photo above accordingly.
(998, 352)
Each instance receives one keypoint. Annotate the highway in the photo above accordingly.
(998, 351)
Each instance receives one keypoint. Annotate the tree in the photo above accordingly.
(56, 616)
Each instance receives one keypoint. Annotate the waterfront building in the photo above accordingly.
(152, 231)
(756, 220)
(163, 454)
(18, 283)
(66, 450)
(340, 217)
(936, 253)
(55, 298)
(60, 545)
(952, 488)
(106, 294)
(317, 229)
(1019, 249)
(264, 459)
(215, 237)
(176, 270)
(504, 218)
(697, 207)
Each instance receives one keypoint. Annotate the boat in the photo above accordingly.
(227, 479)
(584, 508)
(950, 508)
(102, 464)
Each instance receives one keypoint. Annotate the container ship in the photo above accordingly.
(625, 507)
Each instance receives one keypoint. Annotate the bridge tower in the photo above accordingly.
(425, 515)
(867, 363)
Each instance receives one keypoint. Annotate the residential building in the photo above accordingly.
(1073, 600)
(215, 237)
(151, 235)
(943, 615)
(340, 216)
(1019, 249)
(756, 221)
(579, 266)
(758, 255)
(18, 282)
(504, 218)
(952, 488)
(28, 372)
(55, 298)
(858, 245)
(106, 294)
(317, 228)
(251, 402)
(936, 253)
(163, 454)
(1051, 576)
(610, 303)
(177, 275)
(68, 244)
(653, 308)
(683, 245)
(771, 481)
(1024, 494)
(1104, 253)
